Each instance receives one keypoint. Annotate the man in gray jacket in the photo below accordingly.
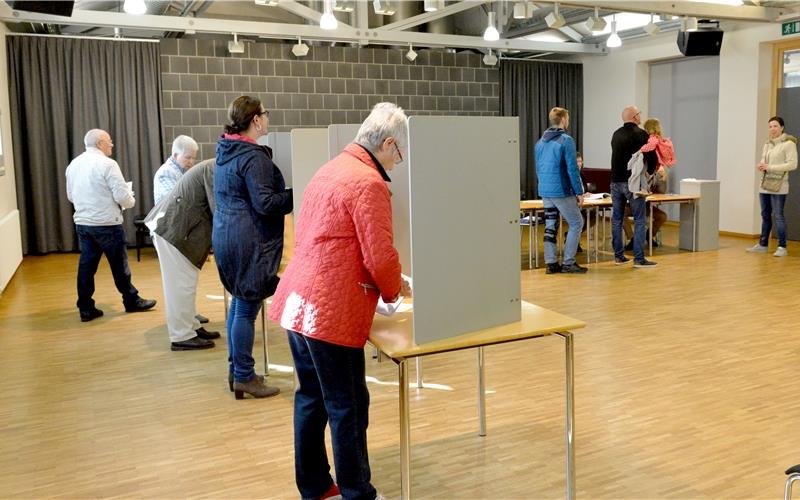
(180, 226)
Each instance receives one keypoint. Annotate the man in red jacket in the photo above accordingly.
(344, 259)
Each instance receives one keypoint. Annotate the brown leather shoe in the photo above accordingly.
(255, 388)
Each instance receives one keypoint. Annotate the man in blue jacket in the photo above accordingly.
(561, 190)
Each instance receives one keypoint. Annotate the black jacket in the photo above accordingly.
(627, 140)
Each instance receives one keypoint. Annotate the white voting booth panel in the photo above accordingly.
(281, 145)
(707, 217)
(309, 152)
(339, 136)
(464, 186)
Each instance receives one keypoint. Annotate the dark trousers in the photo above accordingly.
(772, 206)
(621, 196)
(332, 391)
(94, 241)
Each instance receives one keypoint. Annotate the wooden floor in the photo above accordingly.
(685, 388)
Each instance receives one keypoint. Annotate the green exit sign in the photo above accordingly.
(791, 28)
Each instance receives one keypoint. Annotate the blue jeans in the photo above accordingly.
(94, 241)
(772, 206)
(241, 329)
(332, 391)
(568, 207)
(620, 195)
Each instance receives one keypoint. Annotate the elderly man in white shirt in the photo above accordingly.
(184, 154)
(98, 191)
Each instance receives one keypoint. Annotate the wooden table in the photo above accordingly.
(393, 336)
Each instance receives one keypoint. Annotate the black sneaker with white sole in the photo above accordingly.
(573, 269)
(644, 263)
(621, 261)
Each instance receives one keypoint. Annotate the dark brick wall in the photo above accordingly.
(331, 85)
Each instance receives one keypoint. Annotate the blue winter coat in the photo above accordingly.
(556, 165)
(251, 202)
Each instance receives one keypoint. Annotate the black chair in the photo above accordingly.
(141, 233)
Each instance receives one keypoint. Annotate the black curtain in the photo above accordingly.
(60, 88)
(528, 90)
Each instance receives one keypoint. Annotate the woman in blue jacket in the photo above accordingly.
(251, 202)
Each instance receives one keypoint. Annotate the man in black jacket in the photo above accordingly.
(626, 141)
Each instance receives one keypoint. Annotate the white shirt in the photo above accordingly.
(97, 189)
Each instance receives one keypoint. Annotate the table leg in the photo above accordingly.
(419, 373)
(530, 239)
(570, 398)
(536, 242)
(560, 243)
(481, 393)
(650, 231)
(695, 232)
(588, 234)
(596, 234)
(264, 337)
(405, 432)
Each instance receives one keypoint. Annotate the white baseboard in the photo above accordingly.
(10, 247)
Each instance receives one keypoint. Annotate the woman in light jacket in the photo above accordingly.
(251, 202)
(778, 158)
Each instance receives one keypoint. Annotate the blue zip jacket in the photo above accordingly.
(251, 201)
(556, 165)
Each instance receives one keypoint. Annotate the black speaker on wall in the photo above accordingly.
(56, 8)
(700, 42)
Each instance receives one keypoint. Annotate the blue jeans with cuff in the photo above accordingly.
(620, 195)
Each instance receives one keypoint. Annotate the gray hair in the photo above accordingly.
(92, 137)
(184, 144)
(386, 120)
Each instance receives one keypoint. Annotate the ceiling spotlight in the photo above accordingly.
(688, 23)
(328, 21)
(665, 17)
(554, 19)
(491, 34)
(135, 7)
(490, 59)
(269, 3)
(300, 49)
(652, 28)
(520, 10)
(383, 7)
(433, 5)
(411, 55)
(614, 40)
(235, 46)
(596, 24)
(343, 5)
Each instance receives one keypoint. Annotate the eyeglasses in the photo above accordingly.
(264, 113)
(397, 148)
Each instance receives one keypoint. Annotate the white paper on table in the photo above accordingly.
(385, 309)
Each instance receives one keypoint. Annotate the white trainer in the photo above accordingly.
(757, 248)
(781, 252)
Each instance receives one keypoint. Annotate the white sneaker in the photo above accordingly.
(781, 252)
(757, 248)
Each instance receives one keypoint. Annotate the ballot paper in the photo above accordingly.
(385, 309)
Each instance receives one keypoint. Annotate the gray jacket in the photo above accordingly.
(184, 217)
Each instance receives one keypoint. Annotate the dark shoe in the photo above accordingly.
(202, 319)
(140, 305)
(629, 246)
(644, 263)
(621, 261)
(230, 380)
(573, 269)
(192, 344)
(553, 268)
(655, 244)
(206, 335)
(255, 388)
(91, 314)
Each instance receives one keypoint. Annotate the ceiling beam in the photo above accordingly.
(303, 11)
(291, 31)
(571, 34)
(685, 8)
(432, 16)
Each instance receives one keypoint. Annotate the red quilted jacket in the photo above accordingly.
(344, 255)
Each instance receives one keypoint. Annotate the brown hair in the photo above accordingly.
(652, 126)
(557, 116)
(777, 119)
(241, 113)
